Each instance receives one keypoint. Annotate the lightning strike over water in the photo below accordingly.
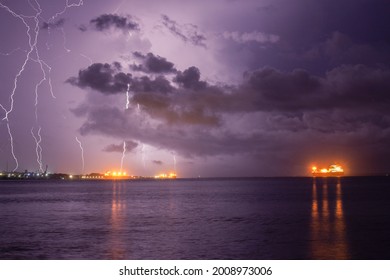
(123, 154)
(82, 154)
(174, 162)
(12, 147)
(38, 147)
(143, 155)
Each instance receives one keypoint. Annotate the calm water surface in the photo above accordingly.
(272, 218)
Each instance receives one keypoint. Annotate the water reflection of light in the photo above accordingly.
(325, 202)
(314, 204)
(118, 206)
(328, 229)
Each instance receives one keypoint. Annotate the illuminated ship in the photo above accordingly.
(333, 171)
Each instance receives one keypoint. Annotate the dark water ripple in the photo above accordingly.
(269, 218)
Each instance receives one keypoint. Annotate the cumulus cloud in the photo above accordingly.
(113, 21)
(152, 64)
(102, 77)
(186, 32)
(118, 148)
(190, 79)
(254, 36)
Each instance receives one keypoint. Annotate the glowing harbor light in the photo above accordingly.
(170, 175)
(116, 174)
(332, 170)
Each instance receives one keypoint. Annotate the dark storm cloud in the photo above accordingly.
(56, 24)
(145, 84)
(118, 148)
(187, 33)
(267, 89)
(195, 102)
(105, 78)
(172, 113)
(190, 79)
(353, 86)
(153, 64)
(113, 122)
(158, 162)
(107, 21)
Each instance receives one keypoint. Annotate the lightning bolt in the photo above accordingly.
(22, 18)
(38, 148)
(127, 97)
(64, 38)
(12, 147)
(32, 33)
(67, 5)
(143, 155)
(88, 58)
(32, 45)
(174, 162)
(82, 153)
(123, 154)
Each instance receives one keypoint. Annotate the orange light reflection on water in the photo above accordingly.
(327, 227)
(116, 249)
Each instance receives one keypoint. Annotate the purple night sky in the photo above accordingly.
(215, 88)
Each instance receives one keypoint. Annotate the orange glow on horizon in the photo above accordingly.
(170, 175)
(333, 169)
(115, 174)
